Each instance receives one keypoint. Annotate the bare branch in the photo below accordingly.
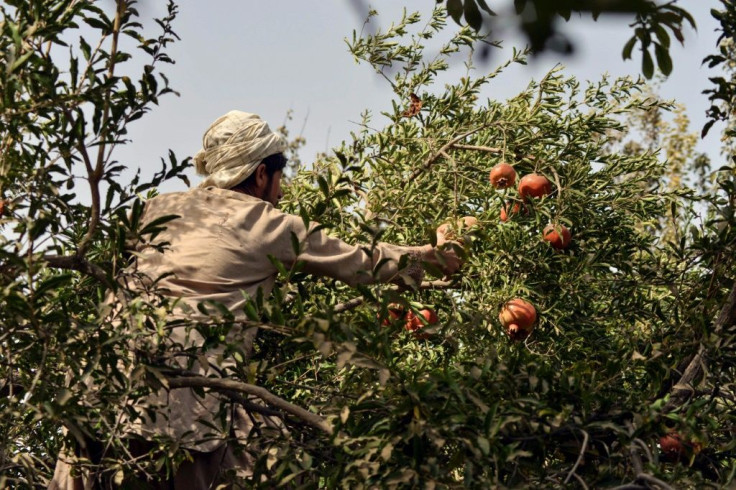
(656, 481)
(349, 305)
(224, 385)
(583, 448)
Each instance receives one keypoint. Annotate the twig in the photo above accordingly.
(349, 305)
(586, 438)
(581, 481)
(250, 406)
(650, 479)
(428, 163)
(95, 176)
(454, 175)
(644, 448)
(636, 459)
(224, 385)
(489, 149)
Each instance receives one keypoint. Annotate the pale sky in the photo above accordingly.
(269, 57)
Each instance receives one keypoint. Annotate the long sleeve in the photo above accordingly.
(326, 255)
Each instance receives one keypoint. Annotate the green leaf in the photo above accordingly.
(647, 64)
(86, 48)
(472, 15)
(323, 186)
(484, 6)
(664, 61)
(455, 9)
(662, 36)
(20, 61)
(628, 47)
(53, 282)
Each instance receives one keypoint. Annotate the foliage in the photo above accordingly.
(538, 21)
(635, 337)
(723, 94)
(67, 101)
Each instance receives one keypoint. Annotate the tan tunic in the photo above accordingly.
(219, 250)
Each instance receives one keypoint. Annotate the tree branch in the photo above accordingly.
(430, 161)
(586, 438)
(76, 263)
(650, 479)
(488, 149)
(95, 176)
(683, 388)
(225, 385)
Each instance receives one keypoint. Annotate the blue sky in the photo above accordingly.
(279, 56)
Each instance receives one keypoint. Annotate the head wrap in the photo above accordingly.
(233, 147)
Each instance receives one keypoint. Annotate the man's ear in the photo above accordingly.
(261, 177)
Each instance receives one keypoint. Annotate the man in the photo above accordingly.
(221, 251)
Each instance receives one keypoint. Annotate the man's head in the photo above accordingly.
(265, 182)
(234, 148)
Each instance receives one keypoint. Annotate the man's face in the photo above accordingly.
(272, 193)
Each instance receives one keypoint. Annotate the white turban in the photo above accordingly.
(233, 147)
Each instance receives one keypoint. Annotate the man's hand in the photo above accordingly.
(445, 255)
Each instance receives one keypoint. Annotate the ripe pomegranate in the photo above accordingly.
(558, 236)
(675, 448)
(534, 185)
(502, 176)
(414, 323)
(518, 317)
(514, 210)
(395, 312)
(672, 447)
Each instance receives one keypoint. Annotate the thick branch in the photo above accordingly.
(683, 388)
(73, 262)
(229, 385)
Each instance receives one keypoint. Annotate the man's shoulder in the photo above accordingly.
(206, 195)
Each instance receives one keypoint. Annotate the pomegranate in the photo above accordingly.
(395, 312)
(518, 318)
(675, 448)
(558, 236)
(672, 447)
(415, 322)
(534, 185)
(505, 213)
(502, 176)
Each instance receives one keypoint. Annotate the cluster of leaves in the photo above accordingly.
(538, 21)
(69, 93)
(722, 96)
